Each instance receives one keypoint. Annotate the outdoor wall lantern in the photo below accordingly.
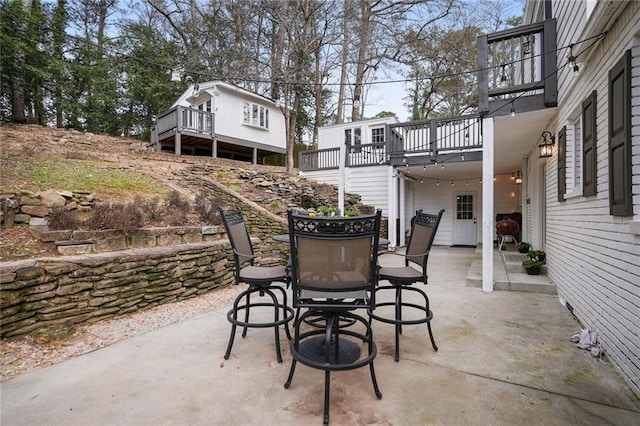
(546, 144)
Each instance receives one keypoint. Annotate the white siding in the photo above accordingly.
(372, 185)
(229, 121)
(330, 177)
(333, 136)
(227, 102)
(368, 182)
(431, 197)
(593, 257)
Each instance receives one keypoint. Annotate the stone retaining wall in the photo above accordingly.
(73, 289)
(36, 293)
(21, 207)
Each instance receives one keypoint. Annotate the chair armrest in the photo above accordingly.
(387, 255)
(249, 255)
(419, 254)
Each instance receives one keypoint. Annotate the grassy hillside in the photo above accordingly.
(108, 180)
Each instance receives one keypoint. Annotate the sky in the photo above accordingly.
(389, 96)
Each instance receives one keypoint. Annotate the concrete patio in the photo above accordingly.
(504, 358)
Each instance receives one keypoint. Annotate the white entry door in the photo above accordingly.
(465, 231)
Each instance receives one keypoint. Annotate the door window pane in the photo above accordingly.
(464, 207)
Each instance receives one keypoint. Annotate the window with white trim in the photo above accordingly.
(353, 136)
(574, 156)
(377, 135)
(255, 115)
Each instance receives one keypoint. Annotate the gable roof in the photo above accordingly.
(210, 87)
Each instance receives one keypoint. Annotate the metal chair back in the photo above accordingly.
(423, 231)
(239, 238)
(334, 256)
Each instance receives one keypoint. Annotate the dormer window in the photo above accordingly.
(255, 115)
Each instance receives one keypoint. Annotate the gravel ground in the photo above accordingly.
(24, 354)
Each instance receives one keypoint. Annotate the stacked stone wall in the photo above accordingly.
(73, 289)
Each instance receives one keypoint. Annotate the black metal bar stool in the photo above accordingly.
(401, 279)
(262, 282)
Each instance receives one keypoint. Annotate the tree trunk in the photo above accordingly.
(58, 39)
(17, 79)
(363, 43)
(343, 62)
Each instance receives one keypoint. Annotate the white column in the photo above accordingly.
(488, 230)
(392, 190)
(402, 188)
(342, 178)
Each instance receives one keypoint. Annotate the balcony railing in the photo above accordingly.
(181, 119)
(434, 137)
(425, 138)
(517, 69)
(370, 154)
(320, 159)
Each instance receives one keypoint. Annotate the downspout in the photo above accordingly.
(488, 230)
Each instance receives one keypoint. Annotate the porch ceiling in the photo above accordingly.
(514, 138)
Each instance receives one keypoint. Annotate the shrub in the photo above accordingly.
(61, 218)
(352, 212)
(207, 209)
(118, 216)
(154, 210)
(176, 201)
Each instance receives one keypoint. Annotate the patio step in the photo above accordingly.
(509, 274)
(513, 261)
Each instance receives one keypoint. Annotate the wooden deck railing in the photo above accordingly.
(180, 119)
(433, 137)
(320, 159)
(371, 154)
(517, 68)
(426, 137)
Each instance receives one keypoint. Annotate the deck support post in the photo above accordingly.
(488, 230)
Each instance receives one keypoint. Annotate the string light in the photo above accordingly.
(503, 77)
(571, 61)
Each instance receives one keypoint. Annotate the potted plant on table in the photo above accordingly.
(532, 265)
(523, 247)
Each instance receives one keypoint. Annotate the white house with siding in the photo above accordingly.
(589, 190)
(556, 142)
(218, 119)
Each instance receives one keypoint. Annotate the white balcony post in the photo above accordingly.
(488, 230)
(341, 179)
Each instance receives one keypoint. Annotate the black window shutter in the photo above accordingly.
(589, 146)
(562, 163)
(620, 195)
